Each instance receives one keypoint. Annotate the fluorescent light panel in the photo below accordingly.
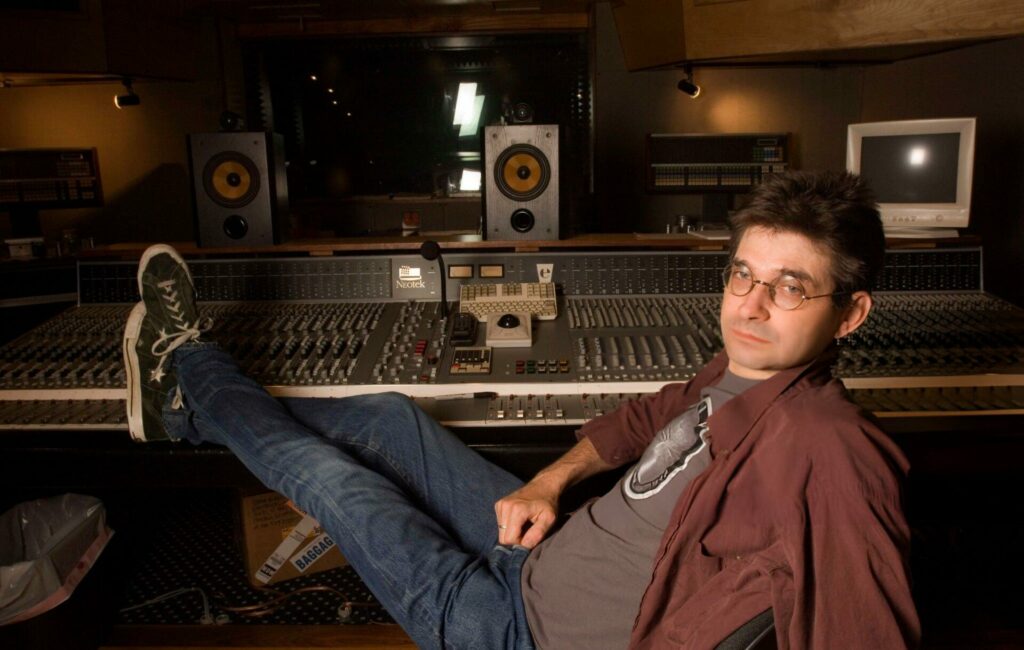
(470, 181)
(469, 127)
(464, 103)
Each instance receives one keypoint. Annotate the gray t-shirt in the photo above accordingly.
(582, 586)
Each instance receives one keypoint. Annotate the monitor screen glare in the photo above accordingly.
(911, 168)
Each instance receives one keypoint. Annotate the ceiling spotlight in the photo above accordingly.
(687, 84)
(129, 98)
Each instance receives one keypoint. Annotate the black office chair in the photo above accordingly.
(756, 634)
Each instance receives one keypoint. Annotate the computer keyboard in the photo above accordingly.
(534, 298)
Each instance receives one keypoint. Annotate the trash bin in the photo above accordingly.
(47, 546)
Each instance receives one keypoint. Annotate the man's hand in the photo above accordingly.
(526, 515)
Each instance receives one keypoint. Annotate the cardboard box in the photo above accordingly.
(281, 542)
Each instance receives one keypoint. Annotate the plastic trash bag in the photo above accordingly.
(46, 547)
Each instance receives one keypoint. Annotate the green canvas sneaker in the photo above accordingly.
(166, 319)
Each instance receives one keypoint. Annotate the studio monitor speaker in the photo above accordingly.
(240, 188)
(521, 190)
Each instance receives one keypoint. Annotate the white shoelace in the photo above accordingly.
(167, 343)
(183, 333)
(171, 341)
(177, 401)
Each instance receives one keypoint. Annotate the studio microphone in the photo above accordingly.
(430, 250)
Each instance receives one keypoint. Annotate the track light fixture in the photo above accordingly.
(129, 98)
(687, 84)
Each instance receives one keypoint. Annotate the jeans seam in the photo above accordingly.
(336, 507)
(394, 585)
(388, 459)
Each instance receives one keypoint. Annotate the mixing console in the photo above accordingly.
(943, 334)
(627, 324)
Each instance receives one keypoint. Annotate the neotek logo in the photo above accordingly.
(410, 277)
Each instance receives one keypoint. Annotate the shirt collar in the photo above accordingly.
(730, 425)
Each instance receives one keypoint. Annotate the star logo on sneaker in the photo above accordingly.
(157, 374)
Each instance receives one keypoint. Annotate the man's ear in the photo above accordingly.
(855, 313)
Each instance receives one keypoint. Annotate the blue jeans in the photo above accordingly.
(410, 506)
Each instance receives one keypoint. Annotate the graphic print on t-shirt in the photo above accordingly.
(670, 453)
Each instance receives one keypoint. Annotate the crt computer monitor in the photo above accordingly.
(919, 170)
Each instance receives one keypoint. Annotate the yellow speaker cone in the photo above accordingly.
(522, 172)
(231, 180)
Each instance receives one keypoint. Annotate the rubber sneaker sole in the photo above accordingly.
(133, 374)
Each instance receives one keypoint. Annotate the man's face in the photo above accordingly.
(762, 339)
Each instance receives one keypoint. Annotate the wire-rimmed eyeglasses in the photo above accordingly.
(785, 291)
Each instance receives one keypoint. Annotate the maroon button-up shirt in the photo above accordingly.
(800, 511)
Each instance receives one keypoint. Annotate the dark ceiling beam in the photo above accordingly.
(483, 23)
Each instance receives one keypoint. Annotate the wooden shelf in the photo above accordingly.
(604, 241)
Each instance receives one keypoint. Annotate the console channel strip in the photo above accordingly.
(345, 326)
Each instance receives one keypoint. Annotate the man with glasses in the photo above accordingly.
(755, 486)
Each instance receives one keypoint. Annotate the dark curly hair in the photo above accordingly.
(836, 210)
